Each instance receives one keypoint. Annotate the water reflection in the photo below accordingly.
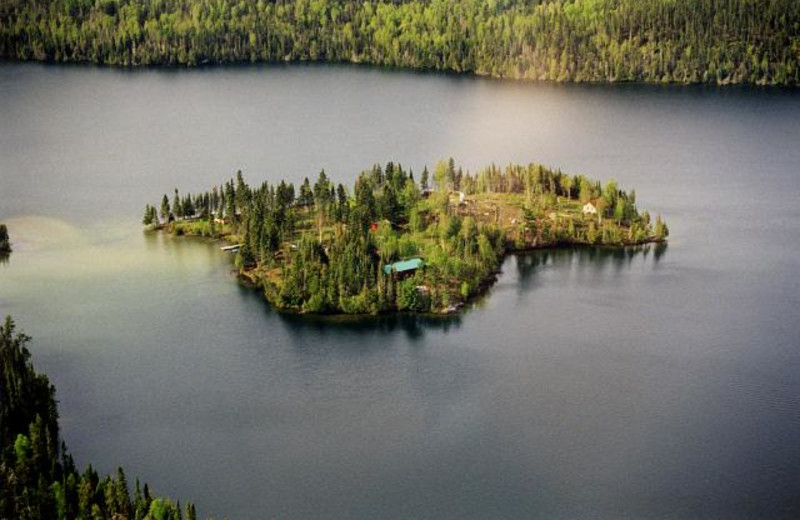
(598, 259)
(414, 326)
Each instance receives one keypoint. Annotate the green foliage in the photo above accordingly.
(164, 509)
(661, 229)
(150, 217)
(164, 212)
(22, 448)
(689, 41)
(410, 297)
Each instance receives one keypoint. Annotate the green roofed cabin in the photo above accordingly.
(403, 267)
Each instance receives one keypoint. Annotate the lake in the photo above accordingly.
(589, 383)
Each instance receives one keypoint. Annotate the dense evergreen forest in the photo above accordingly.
(38, 478)
(685, 41)
(395, 243)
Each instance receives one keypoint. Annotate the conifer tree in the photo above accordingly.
(5, 243)
(177, 205)
(164, 208)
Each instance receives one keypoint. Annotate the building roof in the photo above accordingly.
(403, 266)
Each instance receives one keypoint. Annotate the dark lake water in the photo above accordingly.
(589, 384)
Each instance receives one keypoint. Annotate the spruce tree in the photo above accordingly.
(177, 206)
(191, 514)
(5, 244)
(165, 208)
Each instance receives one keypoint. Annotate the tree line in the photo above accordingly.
(38, 477)
(688, 41)
(324, 248)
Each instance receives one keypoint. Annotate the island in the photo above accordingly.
(398, 244)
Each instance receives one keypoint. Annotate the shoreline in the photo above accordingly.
(478, 75)
(249, 277)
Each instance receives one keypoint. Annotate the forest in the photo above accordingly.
(398, 244)
(38, 477)
(687, 41)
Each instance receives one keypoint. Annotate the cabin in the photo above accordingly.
(589, 209)
(404, 267)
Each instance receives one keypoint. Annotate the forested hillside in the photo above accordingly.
(38, 478)
(685, 41)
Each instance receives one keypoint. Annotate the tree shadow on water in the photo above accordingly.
(345, 327)
(597, 258)
(415, 326)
